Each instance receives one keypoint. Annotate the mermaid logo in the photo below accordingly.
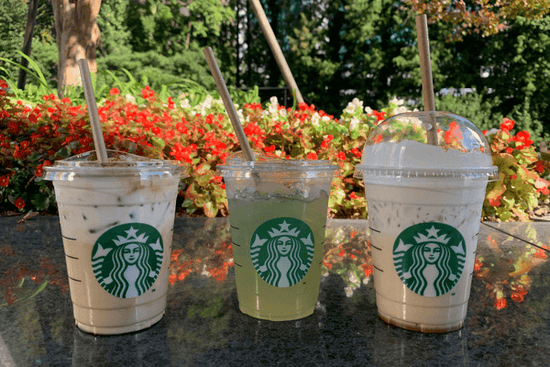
(429, 258)
(282, 250)
(126, 259)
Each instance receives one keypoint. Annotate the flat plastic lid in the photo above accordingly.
(119, 164)
(266, 167)
(398, 147)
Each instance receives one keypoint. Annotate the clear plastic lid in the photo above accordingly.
(269, 167)
(427, 144)
(119, 164)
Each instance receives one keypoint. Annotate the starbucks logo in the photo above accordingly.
(281, 250)
(126, 259)
(429, 258)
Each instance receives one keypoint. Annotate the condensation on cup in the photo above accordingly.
(424, 207)
(117, 219)
(277, 212)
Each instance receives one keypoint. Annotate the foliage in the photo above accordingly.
(478, 16)
(200, 136)
(472, 106)
(508, 70)
(361, 48)
(520, 186)
(12, 28)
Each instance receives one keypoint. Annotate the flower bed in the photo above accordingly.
(201, 137)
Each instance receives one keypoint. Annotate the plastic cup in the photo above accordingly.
(277, 214)
(117, 219)
(424, 209)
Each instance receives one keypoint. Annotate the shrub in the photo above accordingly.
(520, 186)
(200, 136)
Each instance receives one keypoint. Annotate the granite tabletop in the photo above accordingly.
(508, 320)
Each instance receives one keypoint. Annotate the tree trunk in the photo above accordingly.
(27, 43)
(77, 36)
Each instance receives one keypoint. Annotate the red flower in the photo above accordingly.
(312, 156)
(181, 153)
(19, 203)
(507, 124)
(477, 265)
(353, 196)
(518, 295)
(342, 155)
(114, 91)
(367, 269)
(379, 115)
(378, 139)
(522, 138)
(509, 150)
(356, 152)
(539, 167)
(269, 149)
(501, 303)
(4, 180)
(147, 92)
(495, 202)
(453, 134)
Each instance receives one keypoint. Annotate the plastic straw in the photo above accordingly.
(275, 48)
(228, 103)
(426, 71)
(97, 133)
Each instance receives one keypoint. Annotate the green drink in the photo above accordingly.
(278, 212)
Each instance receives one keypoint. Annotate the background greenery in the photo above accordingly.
(337, 50)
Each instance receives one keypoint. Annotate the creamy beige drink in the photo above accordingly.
(116, 221)
(278, 212)
(424, 208)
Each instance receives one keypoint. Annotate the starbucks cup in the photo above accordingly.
(424, 208)
(277, 213)
(117, 219)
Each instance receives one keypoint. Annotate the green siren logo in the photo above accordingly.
(281, 250)
(126, 259)
(429, 258)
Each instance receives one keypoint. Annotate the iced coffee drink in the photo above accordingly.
(424, 208)
(116, 220)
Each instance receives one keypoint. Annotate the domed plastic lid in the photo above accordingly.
(266, 167)
(119, 164)
(427, 144)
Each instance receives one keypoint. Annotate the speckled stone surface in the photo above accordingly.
(508, 322)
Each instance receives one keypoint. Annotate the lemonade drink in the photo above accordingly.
(278, 216)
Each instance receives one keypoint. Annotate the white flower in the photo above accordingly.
(240, 114)
(353, 123)
(368, 110)
(315, 119)
(130, 98)
(325, 118)
(352, 106)
(273, 105)
(282, 112)
(399, 110)
(491, 132)
(185, 103)
(396, 101)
